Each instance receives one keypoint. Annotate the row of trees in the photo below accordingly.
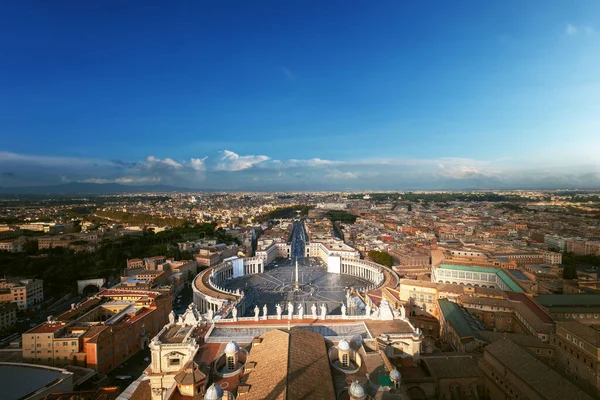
(342, 216)
(144, 219)
(285, 212)
(571, 262)
(381, 257)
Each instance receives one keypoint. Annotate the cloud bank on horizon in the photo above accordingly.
(228, 170)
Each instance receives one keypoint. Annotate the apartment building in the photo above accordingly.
(25, 293)
(12, 246)
(8, 315)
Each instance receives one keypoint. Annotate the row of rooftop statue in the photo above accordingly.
(301, 315)
(290, 311)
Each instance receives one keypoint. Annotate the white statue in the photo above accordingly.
(265, 316)
(300, 311)
(234, 313)
(343, 310)
(314, 311)
(402, 312)
(290, 310)
(211, 313)
(171, 317)
(368, 311)
(323, 311)
(278, 309)
(256, 312)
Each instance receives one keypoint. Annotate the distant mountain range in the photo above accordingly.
(92, 188)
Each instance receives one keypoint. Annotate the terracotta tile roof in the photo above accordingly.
(537, 375)
(94, 333)
(309, 374)
(268, 379)
(288, 365)
(588, 333)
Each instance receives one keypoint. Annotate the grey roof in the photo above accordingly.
(18, 381)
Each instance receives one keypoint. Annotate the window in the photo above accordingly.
(230, 363)
(173, 362)
(345, 361)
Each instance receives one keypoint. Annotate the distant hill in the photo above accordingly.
(92, 188)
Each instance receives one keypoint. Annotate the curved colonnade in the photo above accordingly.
(211, 297)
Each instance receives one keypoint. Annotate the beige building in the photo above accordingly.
(578, 353)
(511, 373)
(25, 293)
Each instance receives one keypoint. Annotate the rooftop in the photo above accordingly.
(21, 380)
(590, 334)
(451, 365)
(541, 378)
(289, 365)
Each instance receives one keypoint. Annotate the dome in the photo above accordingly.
(395, 375)
(214, 392)
(356, 390)
(232, 347)
(343, 345)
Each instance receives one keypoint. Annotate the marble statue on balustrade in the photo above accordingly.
(256, 313)
(343, 310)
(368, 311)
(300, 311)
(211, 314)
(402, 312)
(290, 310)
(314, 311)
(171, 317)
(234, 313)
(278, 310)
(265, 315)
(323, 311)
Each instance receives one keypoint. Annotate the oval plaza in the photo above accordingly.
(305, 274)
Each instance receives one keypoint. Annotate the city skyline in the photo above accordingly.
(302, 96)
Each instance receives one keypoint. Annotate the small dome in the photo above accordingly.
(395, 375)
(356, 390)
(214, 392)
(343, 345)
(232, 347)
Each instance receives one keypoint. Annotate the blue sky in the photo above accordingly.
(303, 95)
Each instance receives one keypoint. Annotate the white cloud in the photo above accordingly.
(571, 30)
(232, 162)
(198, 164)
(151, 160)
(339, 175)
(311, 163)
(315, 173)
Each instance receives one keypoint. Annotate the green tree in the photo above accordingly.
(381, 257)
(569, 272)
